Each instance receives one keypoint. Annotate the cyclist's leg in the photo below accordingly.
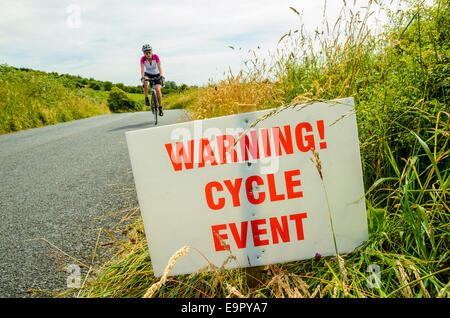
(146, 86)
(159, 97)
(146, 93)
(158, 94)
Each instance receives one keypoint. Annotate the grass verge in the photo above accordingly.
(32, 99)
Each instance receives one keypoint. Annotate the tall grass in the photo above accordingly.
(182, 100)
(31, 99)
(228, 96)
(399, 77)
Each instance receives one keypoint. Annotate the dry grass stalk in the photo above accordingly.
(275, 281)
(282, 287)
(343, 274)
(444, 292)
(233, 291)
(204, 269)
(303, 286)
(317, 162)
(422, 286)
(335, 288)
(403, 277)
(294, 293)
(180, 253)
(316, 291)
(81, 264)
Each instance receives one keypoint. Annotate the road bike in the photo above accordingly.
(154, 100)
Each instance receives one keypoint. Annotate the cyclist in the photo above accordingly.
(151, 68)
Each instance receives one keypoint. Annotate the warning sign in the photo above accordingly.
(261, 186)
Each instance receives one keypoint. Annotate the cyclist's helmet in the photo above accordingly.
(146, 47)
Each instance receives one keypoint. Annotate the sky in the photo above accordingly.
(103, 39)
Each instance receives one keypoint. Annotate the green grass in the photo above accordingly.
(32, 99)
(183, 100)
(400, 79)
(173, 100)
(102, 96)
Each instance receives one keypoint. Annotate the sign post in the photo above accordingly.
(254, 274)
(245, 185)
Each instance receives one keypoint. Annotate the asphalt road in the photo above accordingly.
(58, 186)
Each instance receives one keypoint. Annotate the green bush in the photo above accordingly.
(107, 86)
(118, 101)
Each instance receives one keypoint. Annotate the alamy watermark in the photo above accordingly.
(74, 278)
(374, 280)
(73, 20)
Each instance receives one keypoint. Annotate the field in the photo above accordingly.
(400, 79)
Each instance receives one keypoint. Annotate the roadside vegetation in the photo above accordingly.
(31, 98)
(400, 79)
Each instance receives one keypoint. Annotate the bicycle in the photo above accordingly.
(154, 101)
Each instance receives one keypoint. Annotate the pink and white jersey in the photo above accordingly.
(151, 68)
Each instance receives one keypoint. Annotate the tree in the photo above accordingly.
(94, 85)
(120, 85)
(171, 84)
(107, 86)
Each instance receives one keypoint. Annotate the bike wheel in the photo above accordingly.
(155, 107)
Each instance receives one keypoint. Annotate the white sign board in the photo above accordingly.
(262, 200)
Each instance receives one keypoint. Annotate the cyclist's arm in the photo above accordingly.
(142, 70)
(160, 68)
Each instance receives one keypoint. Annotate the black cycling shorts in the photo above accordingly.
(156, 79)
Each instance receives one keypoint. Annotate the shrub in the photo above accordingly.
(118, 101)
(107, 86)
(94, 85)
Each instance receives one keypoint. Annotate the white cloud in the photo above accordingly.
(191, 37)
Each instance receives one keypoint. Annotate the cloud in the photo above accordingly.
(103, 38)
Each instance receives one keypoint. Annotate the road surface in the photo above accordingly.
(58, 186)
